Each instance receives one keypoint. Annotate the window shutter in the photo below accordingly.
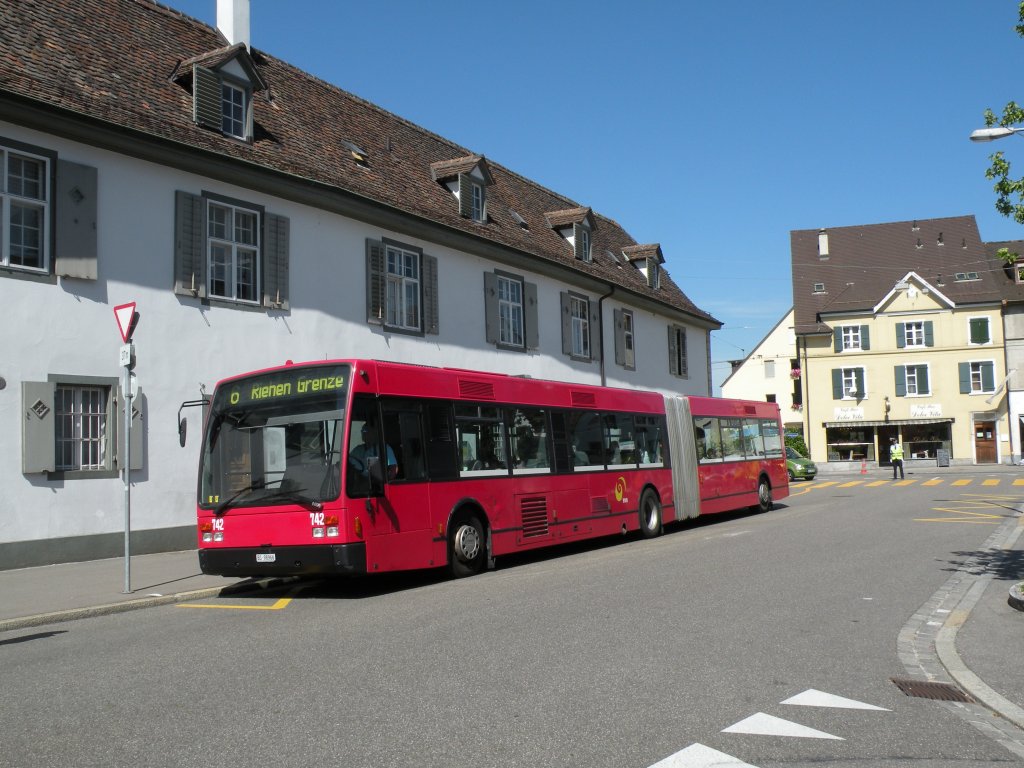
(37, 427)
(620, 337)
(491, 319)
(577, 240)
(979, 330)
(837, 339)
(684, 369)
(965, 378)
(76, 217)
(138, 433)
(673, 351)
(929, 333)
(901, 381)
(376, 282)
(596, 331)
(865, 337)
(901, 335)
(531, 316)
(431, 302)
(837, 383)
(922, 380)
(566, 307)
(858, 377)
(189, 245)
(988, 377)
(465, 195)
(276, 238)
(206, 98)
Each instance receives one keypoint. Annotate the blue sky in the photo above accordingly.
(713, 128)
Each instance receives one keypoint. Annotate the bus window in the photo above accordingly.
(709, 442)
(732, 439)
(586, 440)
(753, 441)
(481, 440)
(620, 445)
(528, 436)
(441, 442)
(772, 439)
(649, 433)
(404, 433)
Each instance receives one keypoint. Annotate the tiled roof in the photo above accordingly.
(114, 61)
(568, 216)
(864, 263)
(637, 252)
(448, 169)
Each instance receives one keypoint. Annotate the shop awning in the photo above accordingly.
(890, 423)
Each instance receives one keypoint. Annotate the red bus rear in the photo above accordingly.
(358, 466)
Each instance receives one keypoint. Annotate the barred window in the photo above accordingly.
(81, 415)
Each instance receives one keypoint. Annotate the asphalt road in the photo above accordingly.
(611, 654)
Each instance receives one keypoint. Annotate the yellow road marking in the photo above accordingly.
(933, 481)
(965, 515)
(1018, 482)
(877, 483)
(906, 482)
(851, 484)
(962, 482)
(826, 484)
(990, 481)
(277, 606)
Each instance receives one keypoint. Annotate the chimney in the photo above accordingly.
(233, 20)
(822, 244)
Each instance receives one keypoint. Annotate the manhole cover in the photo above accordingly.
(923, 689)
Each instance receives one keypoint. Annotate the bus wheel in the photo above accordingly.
(467, 548)
(650, 514)
(764, 496)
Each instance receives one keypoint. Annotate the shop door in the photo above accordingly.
(984, 442)
(884, 433)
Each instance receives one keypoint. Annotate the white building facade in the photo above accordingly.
(237, 261)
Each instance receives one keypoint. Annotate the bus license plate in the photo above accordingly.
(266, 558)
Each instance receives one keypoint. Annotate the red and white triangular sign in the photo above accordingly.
(124, 314)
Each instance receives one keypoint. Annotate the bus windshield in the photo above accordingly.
(275, 438)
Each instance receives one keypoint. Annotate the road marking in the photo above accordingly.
(699, 756)
(825, 484)
(933, 481)
(990, 481)
(962, 515)
(851, 483)
(905, 482)
(277, 606)
(877, 483)
(761, 724)
(962, 482)
(813, 698)
(1018, 482)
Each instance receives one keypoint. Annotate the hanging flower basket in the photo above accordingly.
(797, 407)
(795, 373)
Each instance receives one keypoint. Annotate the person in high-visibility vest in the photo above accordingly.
(896, 457)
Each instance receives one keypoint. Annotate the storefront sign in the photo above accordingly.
(929, 411)
(849, 414)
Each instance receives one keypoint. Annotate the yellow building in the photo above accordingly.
(899, 335)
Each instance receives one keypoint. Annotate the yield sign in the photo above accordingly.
(125, 314)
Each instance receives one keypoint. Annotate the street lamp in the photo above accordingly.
(996, 132)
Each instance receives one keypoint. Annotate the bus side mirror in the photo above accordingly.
(182, 426)
(182, 429)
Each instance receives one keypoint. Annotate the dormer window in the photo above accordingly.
(576, 226)
(467, 178)
(648, 260)
(223, 83)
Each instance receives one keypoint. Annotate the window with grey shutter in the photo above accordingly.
(37, 427)
(901, 381)
(189, 245)
(376, 282)
(677, 363)
(532, 315)
(979, 330)
(596, 349)
(465, 195)
(901, 335)
(206, 98)
(565, 310)
(620, 336)
(431, 300)
(276, 237)
(964, 370)
(865, 337)
(75, 209)
(581, 241)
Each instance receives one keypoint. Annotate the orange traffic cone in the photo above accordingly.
(863, 466)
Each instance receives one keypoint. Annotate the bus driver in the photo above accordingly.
(366, 453)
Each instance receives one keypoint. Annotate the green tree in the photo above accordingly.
(1009, 191)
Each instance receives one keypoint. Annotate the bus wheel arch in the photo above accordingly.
(765, 503)
(469, 540)
(650, 513)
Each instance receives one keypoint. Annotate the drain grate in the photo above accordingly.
(938, 691)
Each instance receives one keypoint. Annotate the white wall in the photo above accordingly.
(69, 329)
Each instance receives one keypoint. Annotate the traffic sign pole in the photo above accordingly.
(127, 318)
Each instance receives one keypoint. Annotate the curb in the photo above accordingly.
(73, 614)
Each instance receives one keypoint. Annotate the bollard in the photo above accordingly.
(863, 466)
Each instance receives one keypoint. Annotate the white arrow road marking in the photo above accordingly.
(813, 698)
(699, 756)
(767, 725)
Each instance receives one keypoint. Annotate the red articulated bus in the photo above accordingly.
(360, 466)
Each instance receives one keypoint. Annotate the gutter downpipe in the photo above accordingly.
(806, 387)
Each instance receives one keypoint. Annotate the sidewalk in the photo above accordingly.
(32, 597)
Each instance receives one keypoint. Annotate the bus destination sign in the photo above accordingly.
(284, 385)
